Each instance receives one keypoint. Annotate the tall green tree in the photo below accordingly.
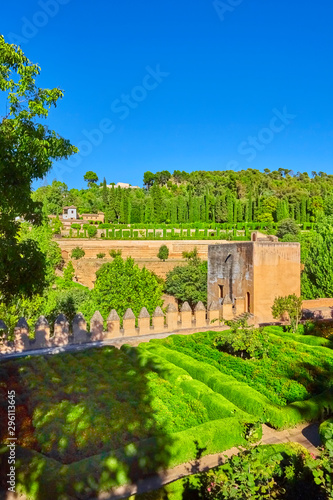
(121, 284)
(91, 178)
(317, 276)
(27, 151)
(189, 282)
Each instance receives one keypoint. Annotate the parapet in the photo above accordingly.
(169, 321)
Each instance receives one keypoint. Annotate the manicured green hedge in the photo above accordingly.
(246, 398)
(291, 372)
(216, 405)
(302, 339)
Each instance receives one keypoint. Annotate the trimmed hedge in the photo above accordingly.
(216, 405)
(247, 398)
(311, 340)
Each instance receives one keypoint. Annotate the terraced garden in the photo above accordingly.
(91, 420)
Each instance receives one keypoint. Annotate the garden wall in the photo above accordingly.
(130, 326)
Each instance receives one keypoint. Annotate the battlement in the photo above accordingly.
(173, 321)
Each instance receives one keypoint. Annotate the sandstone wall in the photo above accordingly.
(114, 327)
(137, 249)
(316, 303)
(276, 273)
(143, 252)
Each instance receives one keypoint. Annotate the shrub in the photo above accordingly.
(78, 253)
(100, 255)
(287, 226)
(120, 284)
(326, 433)
(292, 305)
(69, 272)
(115, 253)
(163, 253)
(246, 343)
(92, 231)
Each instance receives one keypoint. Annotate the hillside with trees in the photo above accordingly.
(200, 196)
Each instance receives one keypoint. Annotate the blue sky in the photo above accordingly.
(204, 85)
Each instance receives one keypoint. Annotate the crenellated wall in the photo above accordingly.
(144, 324)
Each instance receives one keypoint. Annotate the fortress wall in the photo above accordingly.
(172, 321)
(276, 269)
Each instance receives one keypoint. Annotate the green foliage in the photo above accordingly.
(100, 255)
(251, 343)
(66, 301)
(78, 253)
(259, 386)
(29, 308)
(317, 277)
(266, 472)
(92, 231)
(326, 434)
(115, 253)
(69, 272)
(287, 227)
(27, 151)
(120, 284)
(189, 282)
(163, 253)
(56, 225)
(292, 305)
(91, 178)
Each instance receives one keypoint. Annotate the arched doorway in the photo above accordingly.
(248, 302)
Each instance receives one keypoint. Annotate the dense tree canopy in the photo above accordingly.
(91, 178)
(200, 196)
(121, 284)
(27, 150)
(188, 283)
(317, 277)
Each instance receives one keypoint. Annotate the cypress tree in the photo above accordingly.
(112, 205)
(105, 194)
(196, 209)
(303, 209)
(297, 212)
(240, 212)
(235, 210)
(230, 209)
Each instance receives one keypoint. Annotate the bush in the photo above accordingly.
(92, 231)
(115, 253)
(100, 255)
(78, 253)
(292, 305)
(287, 226)
(69, 272)
(163, 253)
(120, 284)
(245, 343)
